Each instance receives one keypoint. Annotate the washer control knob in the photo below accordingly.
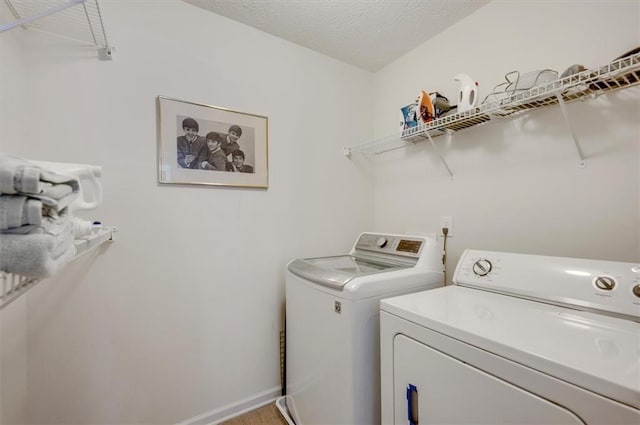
(482, 267)
(381, 242)
(604, 283)
(636, 290)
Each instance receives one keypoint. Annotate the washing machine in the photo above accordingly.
(332, 325)
(518, 339)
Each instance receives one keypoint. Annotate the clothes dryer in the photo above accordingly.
(519, 339)
(332, 315)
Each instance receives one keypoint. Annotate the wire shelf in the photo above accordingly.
(78, 20)
(620, 73)
(13, 285)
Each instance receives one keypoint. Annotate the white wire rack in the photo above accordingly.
(620, 73)
(13, 285)
(78, 20)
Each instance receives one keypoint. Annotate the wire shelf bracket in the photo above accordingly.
(77, 20)
(567, 121)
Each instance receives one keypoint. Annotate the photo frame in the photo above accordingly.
(210, 145)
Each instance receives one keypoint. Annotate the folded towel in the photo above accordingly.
(35, 255)
(11, 211)
(52, 222)
(20, 176)
(17, 211)
(57, 196)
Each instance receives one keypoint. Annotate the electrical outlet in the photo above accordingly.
(447, 221)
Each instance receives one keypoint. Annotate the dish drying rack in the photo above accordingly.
(13, 285)
(78, 20)
(620, 73)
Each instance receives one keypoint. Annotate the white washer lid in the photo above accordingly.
(593, 351)
(337, 271)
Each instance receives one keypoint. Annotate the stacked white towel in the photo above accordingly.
(36, 233)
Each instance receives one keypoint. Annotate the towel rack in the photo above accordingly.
(78, 20)
(13, 285)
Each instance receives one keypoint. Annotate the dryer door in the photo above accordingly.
(433, 388)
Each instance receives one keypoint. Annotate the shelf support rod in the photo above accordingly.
(435, 148)
(42, 14)
(567, 121)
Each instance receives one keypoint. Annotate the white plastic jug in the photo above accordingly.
(90, 196)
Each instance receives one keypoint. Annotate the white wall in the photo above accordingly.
(13, 364)
(517, 186)
(181, 315)
(13, 334)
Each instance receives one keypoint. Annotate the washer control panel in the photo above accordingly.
(407, 246)
(607, 286)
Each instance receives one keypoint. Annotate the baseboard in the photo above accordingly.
(227, 412)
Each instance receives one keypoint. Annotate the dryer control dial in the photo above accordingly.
(482, 267)
(636, 290)
(381, 242)
(604, 283)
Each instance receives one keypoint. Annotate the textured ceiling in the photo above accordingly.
(366, 33)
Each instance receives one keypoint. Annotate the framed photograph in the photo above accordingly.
(204, 144)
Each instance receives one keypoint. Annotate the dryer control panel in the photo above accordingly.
(602, 286)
